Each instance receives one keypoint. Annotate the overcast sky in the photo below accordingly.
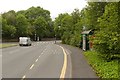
(54, 6)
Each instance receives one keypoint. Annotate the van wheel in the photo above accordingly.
(20, 44)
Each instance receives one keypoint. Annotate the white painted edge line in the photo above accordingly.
(36, 60)
(23, 77)
(62, 75)
(32, 66)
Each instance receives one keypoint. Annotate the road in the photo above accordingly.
(41, 60)
(0, 63)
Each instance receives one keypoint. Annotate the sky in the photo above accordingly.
(54, 6)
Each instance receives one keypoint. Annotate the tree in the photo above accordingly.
(76, 28)
(91, 13)
(66, 28)
(32, 15)
(21, 25)
(107, 40)
(8, 31)
(10, 17)
(40, 26)
(69, 27)
(0, 26)
(58, 25)
(25, 22)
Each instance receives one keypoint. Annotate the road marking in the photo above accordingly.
(36, 60)
(23, 77)
(62, 76)
(32, 66)
(67, 52)
(39, 56)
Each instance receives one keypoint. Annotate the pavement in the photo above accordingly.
(80, 66)
(45, 60)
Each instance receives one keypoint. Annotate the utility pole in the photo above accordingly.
(55, 38)
(35, 36)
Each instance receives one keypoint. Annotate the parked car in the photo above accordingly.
(25, 41)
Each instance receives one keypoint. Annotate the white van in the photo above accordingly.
(24, 41)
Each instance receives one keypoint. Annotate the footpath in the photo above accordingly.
(80, 66)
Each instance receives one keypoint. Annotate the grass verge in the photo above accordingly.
(103, 68)
(7, 45)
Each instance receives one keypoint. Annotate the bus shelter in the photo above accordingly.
(86, 43)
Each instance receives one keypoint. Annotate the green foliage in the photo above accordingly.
(0, 26)
(10, 17)
(9, 31)
(75, 40)
(69, 27)
(27, 22)
(40, 26)
(32, 14)
(103, 68)
(91, 13)
(60, 24)
(8, 24)
(21, 25)
(107, 40)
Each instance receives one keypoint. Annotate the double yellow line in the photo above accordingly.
(62, 76)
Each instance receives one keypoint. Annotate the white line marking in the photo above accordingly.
(36, 60)
(32, 66)
(39, 56)
(67, 52)
(23, 77)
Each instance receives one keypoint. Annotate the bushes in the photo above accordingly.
(75, 40)
(107, 40)
(107, 43)
(102, 17)
(103, 68)
(66, 37)
(69, 27)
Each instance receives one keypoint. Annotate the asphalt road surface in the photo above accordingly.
(41, 60)
(0, 63)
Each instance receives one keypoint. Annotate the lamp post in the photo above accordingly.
(56, 35)
(59, 30)
(35, 36)
(55, 38)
